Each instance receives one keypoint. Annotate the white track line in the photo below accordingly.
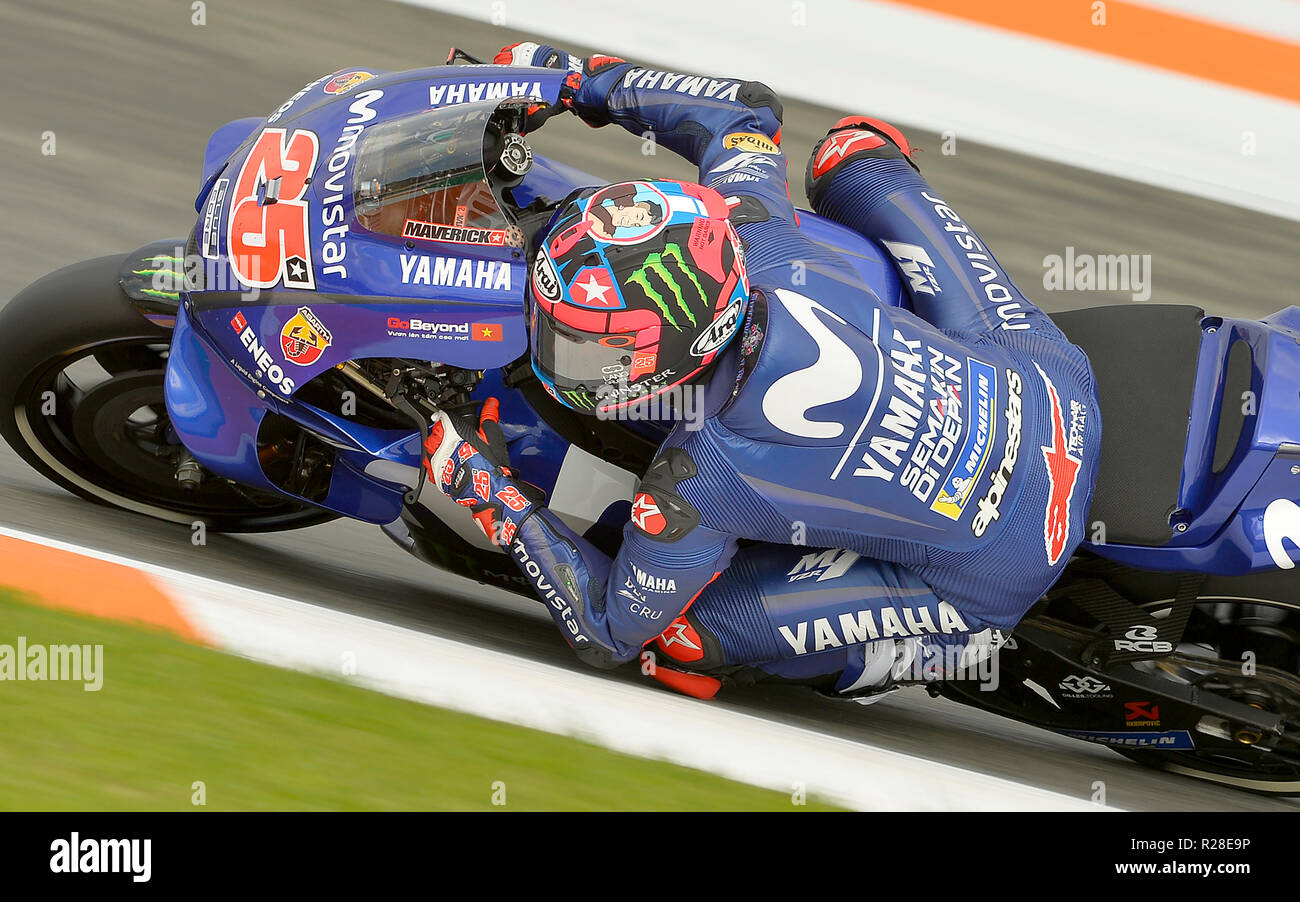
(646, 722)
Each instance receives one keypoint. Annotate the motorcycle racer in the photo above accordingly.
(939, 462)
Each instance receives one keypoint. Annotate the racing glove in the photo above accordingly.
(529, 53)
(543, 56)
(471, 465)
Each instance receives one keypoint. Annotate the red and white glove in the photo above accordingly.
(472, 467)
(530, 53)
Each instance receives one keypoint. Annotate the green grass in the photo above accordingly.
(260, 738)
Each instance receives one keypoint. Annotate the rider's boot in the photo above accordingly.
(875, 670)
(879, 668)
(690, 645)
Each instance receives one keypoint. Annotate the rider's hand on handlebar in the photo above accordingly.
(448, 434)
(472, 467)
(529, 53)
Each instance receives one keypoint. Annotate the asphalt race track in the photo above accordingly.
(131, 90)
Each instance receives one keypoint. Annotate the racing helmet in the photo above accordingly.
(636, 287)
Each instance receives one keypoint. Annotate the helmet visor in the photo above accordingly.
(572, 358)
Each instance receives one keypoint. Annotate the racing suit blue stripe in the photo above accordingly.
(951, 276)
(801, 613)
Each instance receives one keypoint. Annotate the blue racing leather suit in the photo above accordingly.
(937, 464)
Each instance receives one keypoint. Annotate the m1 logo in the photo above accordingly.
(267, 240)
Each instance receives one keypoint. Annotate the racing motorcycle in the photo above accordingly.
(360, 260)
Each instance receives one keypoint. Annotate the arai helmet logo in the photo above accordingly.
(719, 332)
(545, 280)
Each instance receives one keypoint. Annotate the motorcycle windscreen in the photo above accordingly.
(422, 176)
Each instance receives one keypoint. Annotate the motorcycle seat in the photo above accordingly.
(1144, 357)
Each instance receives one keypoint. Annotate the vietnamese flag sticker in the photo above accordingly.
(485, 331)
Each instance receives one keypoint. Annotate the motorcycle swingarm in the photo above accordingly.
(1034, 678)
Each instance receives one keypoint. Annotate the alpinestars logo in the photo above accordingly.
(680, 641)
(676, 635)
(657, 265)
(1062, 476)
(647, 516)
(843, 144)
(989, 504)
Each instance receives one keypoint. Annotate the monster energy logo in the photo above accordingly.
(579, 399)
(164, 278)
(656, 265)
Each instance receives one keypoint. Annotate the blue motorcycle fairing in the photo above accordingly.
(445, 289)
(1228, 528)
(471, 336)
(218, 417)
(220, 148)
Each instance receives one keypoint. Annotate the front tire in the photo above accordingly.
(81, 401)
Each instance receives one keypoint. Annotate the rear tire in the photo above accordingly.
(106, 439)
